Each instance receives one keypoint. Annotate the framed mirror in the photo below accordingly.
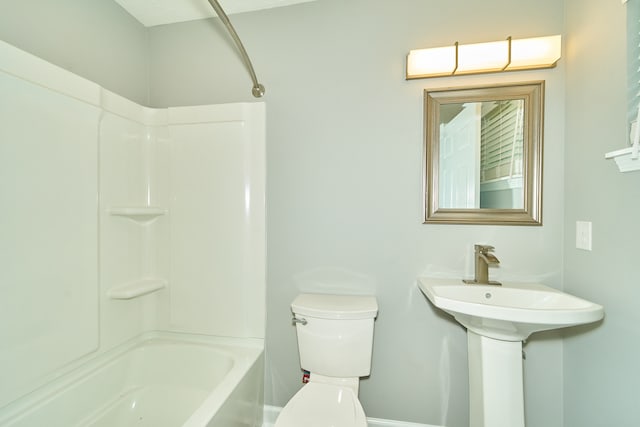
(483, 154)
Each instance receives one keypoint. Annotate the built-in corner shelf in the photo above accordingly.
(140, 214)
(137, 288)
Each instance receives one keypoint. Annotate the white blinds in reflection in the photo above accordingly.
(502, 141)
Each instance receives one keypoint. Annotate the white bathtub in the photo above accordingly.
(157, 380)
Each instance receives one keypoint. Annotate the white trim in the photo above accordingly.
(377, 422)
(271, 413)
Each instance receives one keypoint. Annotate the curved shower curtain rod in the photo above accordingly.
(258, 89)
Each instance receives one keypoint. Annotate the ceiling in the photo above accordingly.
(159, 12)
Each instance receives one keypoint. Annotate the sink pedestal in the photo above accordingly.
(496, 395)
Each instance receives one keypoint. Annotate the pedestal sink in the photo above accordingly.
(498, 319)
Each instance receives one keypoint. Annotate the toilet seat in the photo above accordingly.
(323, 405)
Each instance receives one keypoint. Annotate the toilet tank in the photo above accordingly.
(337, 338)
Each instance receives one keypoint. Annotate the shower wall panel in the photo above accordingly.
(48, 232)
(130, 247)
(217, 219)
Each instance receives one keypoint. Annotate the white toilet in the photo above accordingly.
(335, 341)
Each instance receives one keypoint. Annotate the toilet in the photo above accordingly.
(335, 342)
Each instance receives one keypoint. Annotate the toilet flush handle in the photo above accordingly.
(295, 320)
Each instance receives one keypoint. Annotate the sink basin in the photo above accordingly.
(510, 312)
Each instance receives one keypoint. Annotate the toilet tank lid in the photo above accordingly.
(325, 306)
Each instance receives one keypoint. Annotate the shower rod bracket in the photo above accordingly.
(258, 90)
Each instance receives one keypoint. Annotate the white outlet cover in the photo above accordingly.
(159, 12)
(583, 235)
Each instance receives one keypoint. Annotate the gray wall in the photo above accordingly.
(601, 363)
(344, 147)
(95, 39)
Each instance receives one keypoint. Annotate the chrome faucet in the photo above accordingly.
(483, 258)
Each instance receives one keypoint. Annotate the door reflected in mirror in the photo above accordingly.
(483, 154)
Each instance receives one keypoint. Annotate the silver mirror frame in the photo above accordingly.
(533, 94)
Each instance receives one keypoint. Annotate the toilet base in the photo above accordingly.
(319, 404)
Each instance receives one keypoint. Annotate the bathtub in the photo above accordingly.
(156, 380)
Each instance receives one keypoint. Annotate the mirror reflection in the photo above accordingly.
(481, 147)
(483, 154)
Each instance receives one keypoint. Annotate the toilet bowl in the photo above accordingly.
(335, 342)
(323, 405)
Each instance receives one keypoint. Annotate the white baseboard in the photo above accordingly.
(271, 413)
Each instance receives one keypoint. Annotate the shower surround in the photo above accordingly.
(119, 220)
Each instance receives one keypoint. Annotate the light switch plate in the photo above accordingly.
(583, 235)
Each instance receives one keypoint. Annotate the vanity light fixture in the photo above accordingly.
(491, 57)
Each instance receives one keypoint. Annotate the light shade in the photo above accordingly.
(439, 61)
(539, 52)
(506, 55)
(490, 57)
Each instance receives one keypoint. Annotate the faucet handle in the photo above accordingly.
(484, 248)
